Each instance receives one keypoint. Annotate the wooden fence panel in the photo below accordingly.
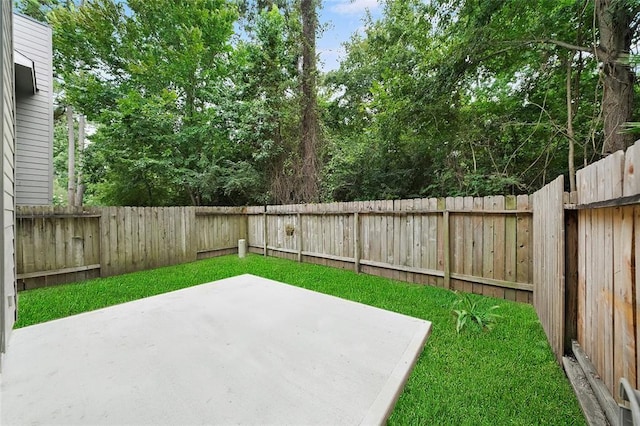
(431, 241)
(216, 230)
(482, 245)
(55, 245)
(138, 238)
(255, 231)
(548, 258)
(608, 234)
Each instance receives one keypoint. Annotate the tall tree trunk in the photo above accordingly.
(615, 19)
(570, 132)
(309, 141)
(80, 184)
(71, 191)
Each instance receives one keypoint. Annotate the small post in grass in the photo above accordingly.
(242, 248)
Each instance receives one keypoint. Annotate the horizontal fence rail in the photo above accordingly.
(479, 245)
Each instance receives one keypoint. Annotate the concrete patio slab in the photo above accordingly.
(244, 350)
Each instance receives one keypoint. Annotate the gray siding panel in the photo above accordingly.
(34, 116)
(7, 201)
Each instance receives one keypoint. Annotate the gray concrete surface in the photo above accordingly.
(244, 350)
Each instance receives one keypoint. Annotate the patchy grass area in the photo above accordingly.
(505, 376)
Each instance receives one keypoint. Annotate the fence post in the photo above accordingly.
(299, 239)
(447, 250)
(571, 278)
(105, 262)
(246, 228)
(264, 232)
(356, 242)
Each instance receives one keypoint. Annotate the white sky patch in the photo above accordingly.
(330, 57)
(354, 7)
(342, 18)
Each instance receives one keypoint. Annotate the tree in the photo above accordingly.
(38, 9)
(618, 22)
(462, 97)
(267, 101)
(119, 67)
(616, 31)
(310, 131)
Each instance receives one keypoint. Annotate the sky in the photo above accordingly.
(341, 19)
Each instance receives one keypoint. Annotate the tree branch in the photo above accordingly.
(564, 44)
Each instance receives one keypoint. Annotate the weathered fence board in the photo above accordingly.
(548, 258)
(216, 230)
(57, 245)
(56, 239)
(607, 293)
(480, 245)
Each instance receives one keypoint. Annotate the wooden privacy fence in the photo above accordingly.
(57, 245)
(609, 237)
(479, 245)
(585, 273)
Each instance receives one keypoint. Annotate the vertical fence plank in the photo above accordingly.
(498, 245)
(447, 249)
(478, 243)
(582, 231)
(440, 205)
(397, 239)
(624, 339)
(456, 240)
(548, 254)
(356, 241)
(298, 231)
(510, 247)
(265, 233)
(523, 229)
(103, 241)
(487, 248)
(631, 175)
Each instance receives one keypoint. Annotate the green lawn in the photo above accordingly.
(507, 376)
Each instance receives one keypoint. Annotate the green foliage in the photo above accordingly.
(436, 98)
(266, 104)
(633, 127)
(461, 98)
(38, 9)
(508, 376)
(183, 116)
(152, 86)
(469, 310)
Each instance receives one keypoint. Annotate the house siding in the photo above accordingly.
(7, 201)
(34, 116)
